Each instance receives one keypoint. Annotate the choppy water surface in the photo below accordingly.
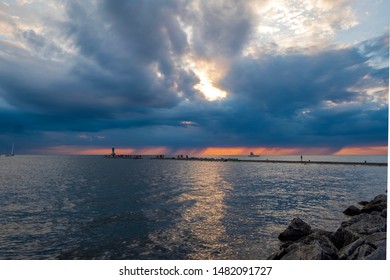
(80, 207)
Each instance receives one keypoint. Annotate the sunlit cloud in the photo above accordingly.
(188, 123)
(206, 87)
(209, 74)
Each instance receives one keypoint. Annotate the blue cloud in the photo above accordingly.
(127, 81)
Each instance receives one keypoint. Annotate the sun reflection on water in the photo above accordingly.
(199, 231)
(204, 218)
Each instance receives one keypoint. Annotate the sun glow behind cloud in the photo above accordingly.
(207, 88)
(209, 74)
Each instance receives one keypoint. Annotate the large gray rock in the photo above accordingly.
(369, 247)
(352, 211)
(384, 213)
(315, 246)
(295, 230)
(357, 227)
(379, 253)
(365, 224)
(342, 237)
(379, 203)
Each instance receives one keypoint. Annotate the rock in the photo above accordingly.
(379, 203)
(357, 227)
(382, 198)
(315, 246)
(274, 256)
(363, 203)
(362, 237)
(295, 230)
(379, 253)
(367, 224)
(369, 247)
(349, 249)
(378, 241)
(384, 213)
(352, 211)
(362, 252)
(343, 237)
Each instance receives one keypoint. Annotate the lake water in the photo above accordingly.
(89, 207)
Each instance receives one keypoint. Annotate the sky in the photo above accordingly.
(194, 76)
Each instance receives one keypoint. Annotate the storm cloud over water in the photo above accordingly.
(193, 74)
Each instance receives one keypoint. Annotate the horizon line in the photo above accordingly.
(212, 151)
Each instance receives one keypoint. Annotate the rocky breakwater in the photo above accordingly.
(362, 237)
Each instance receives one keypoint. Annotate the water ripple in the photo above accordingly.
(94, 208)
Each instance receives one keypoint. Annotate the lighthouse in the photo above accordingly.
(113, 152)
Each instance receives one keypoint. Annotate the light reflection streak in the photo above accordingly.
(204, 218)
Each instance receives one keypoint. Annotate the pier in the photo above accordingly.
(113, 155)
(364, 163)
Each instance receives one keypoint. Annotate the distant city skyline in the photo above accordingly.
(194, 77)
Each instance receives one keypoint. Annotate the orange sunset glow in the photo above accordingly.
(364, 151)
(215, 151)
(380, 150)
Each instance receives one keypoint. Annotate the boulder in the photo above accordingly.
(357, 227)
(379, 253)
(343, 237)
(295, 230)
(384, 213)
(362, 252)
(368, 247)
(379, 203)
(365, 224)
(352, 211)
(315, 246)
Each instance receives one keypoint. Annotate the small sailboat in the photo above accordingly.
(253, 155)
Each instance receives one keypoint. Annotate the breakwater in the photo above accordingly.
(365, 163)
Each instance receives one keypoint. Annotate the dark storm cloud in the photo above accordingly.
(126, 78)
(284, 83)
(302, 100)
(221, 28)
(119, 47)
(40, 44)
(118, 41)
(112, 75)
